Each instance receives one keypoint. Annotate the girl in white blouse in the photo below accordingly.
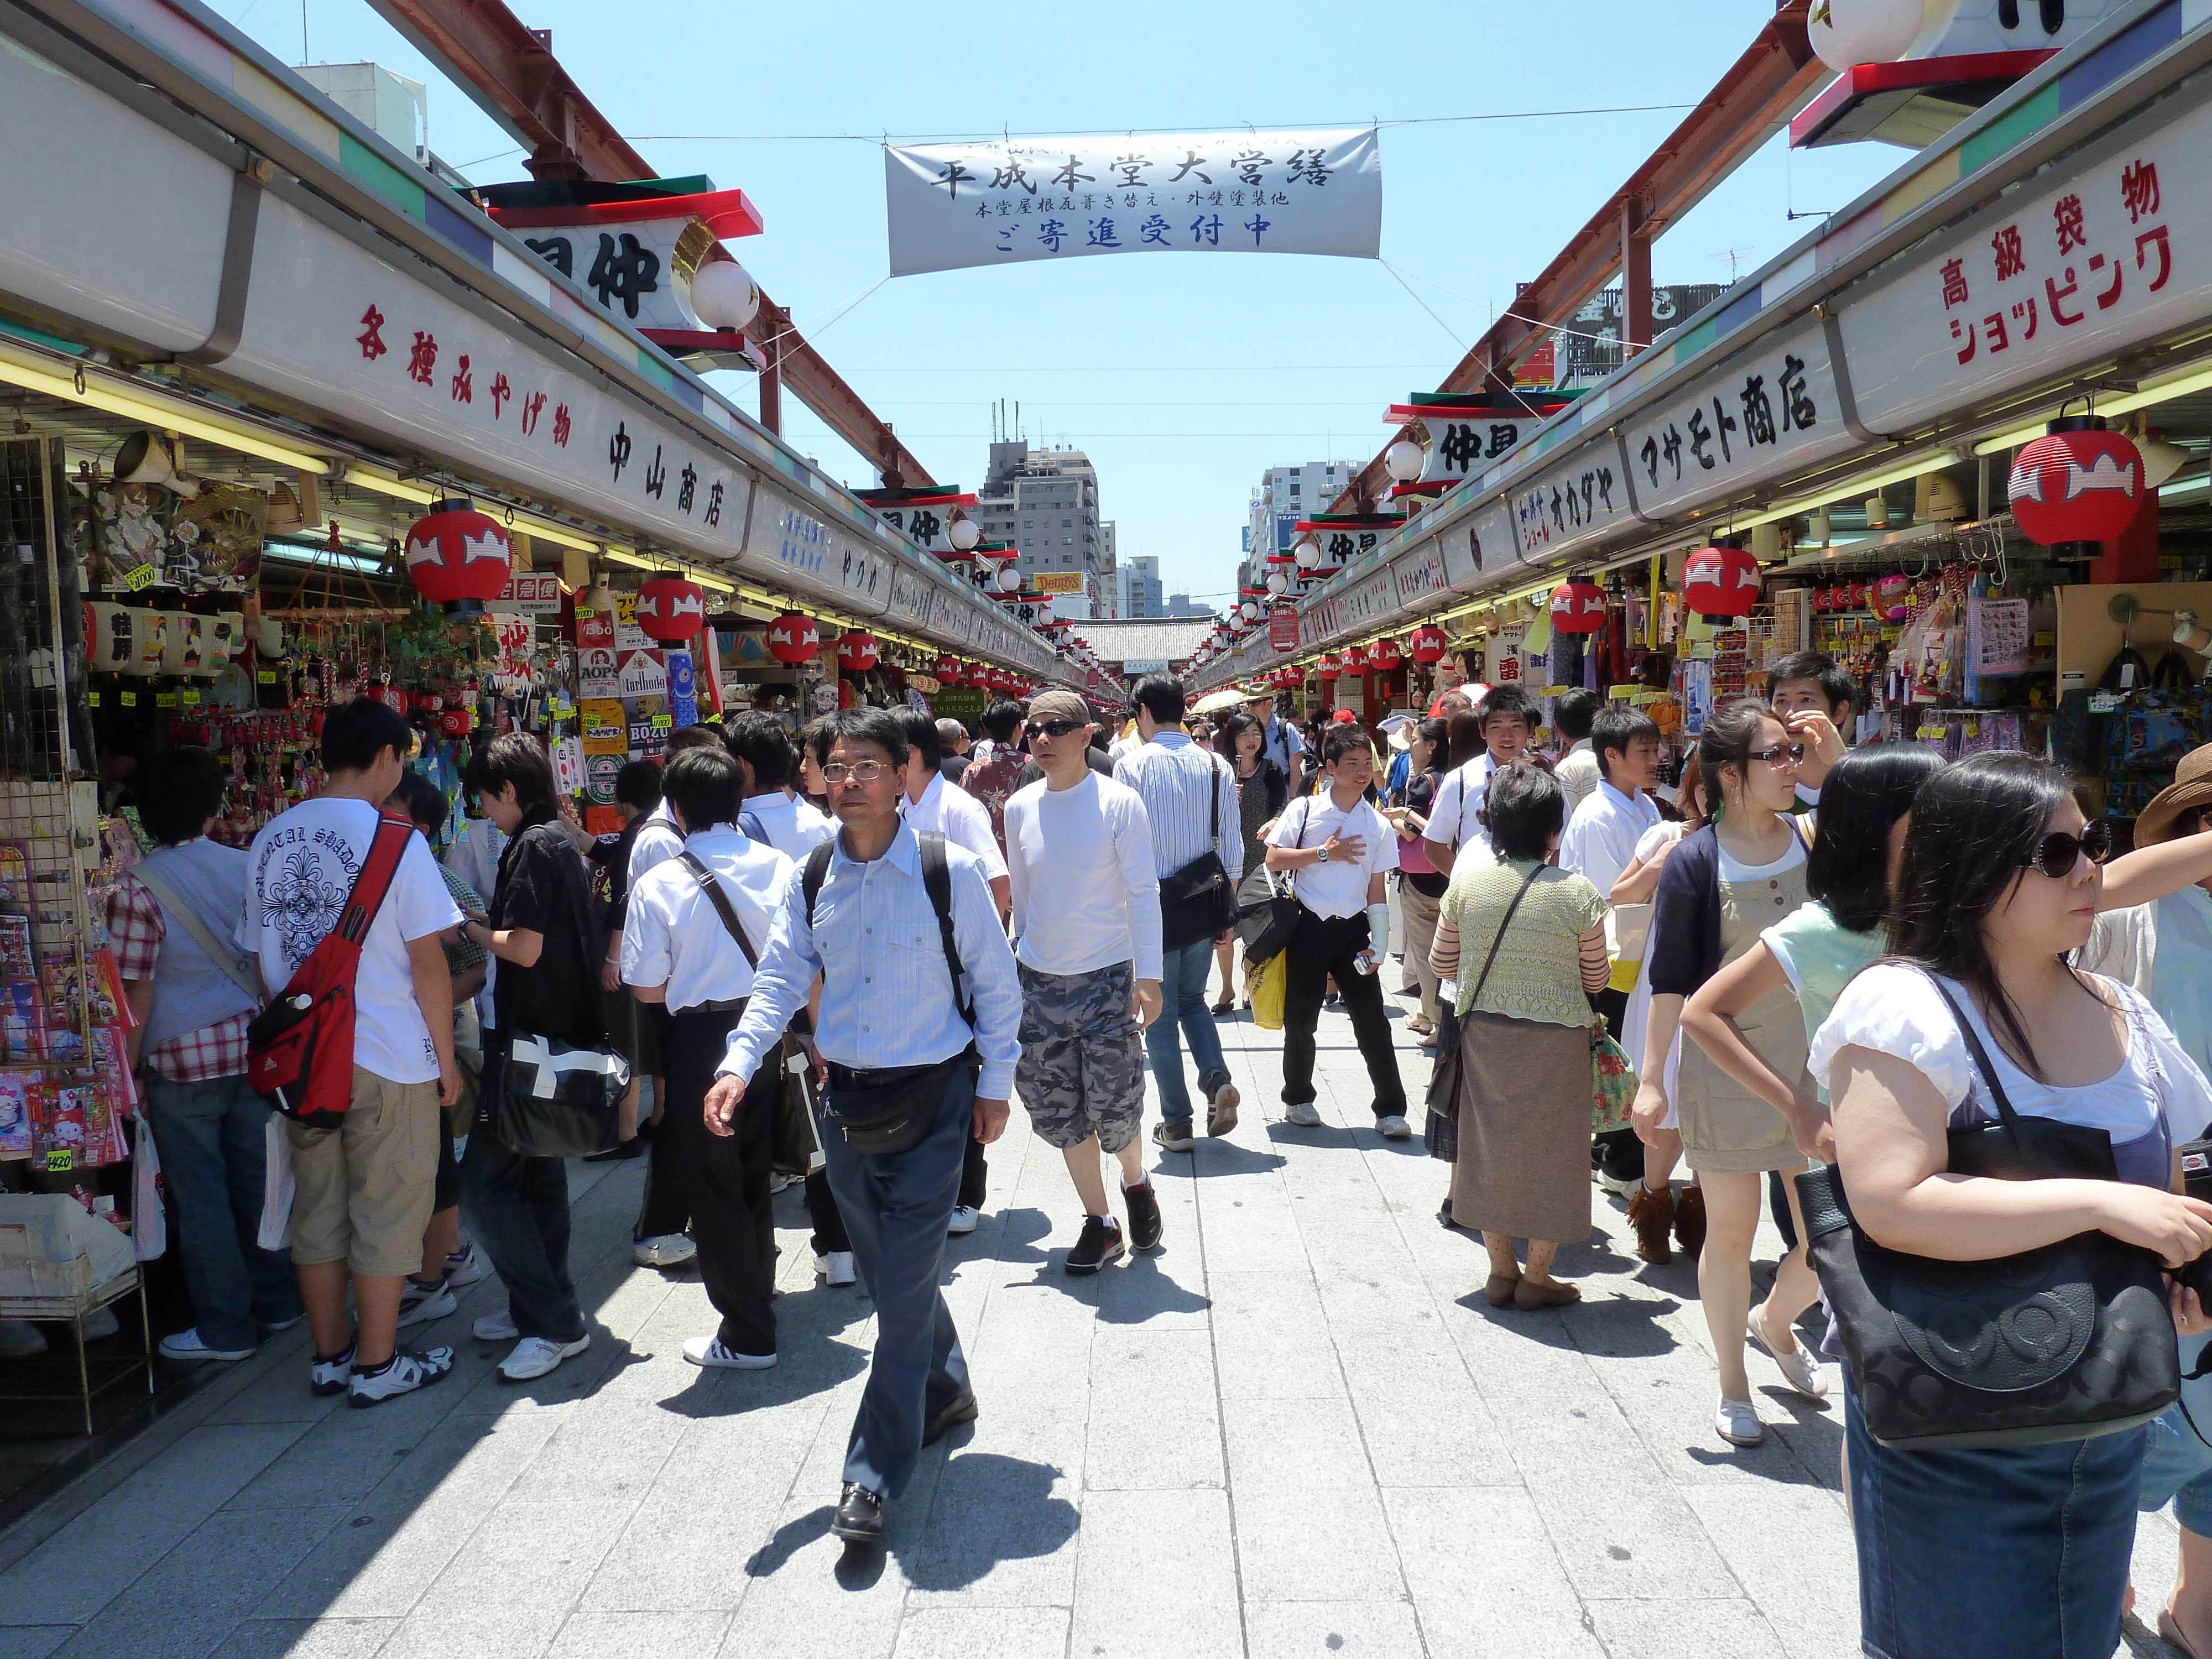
(1975, 1554)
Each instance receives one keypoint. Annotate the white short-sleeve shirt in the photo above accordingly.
(1338, 888)
(1895, 1010)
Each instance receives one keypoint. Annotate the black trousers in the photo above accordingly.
(519, 1208)
(725, 1177)
(830, 1238)
(666, 1207)
(1618, 1153)
(974, 1177)
(1322, 946)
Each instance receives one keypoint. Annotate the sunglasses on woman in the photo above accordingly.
(2055, 854)
(1782, 754)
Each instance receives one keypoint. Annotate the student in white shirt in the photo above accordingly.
(1508, 719)
(1340, 848)
(1600, 845)
(1577, 768)
(1087, 944)
(930, 803)
(677, 951)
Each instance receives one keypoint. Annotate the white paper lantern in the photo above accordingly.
(1308, 553)
(113, 646)
(187, 649)
(724, 295)
(1278, 582)
(964, 535)
(1403, 460)
(1009, 579)
(1848, 33)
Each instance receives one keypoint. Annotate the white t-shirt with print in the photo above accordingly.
(299, 872)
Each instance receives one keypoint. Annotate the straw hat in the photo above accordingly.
(2191, 788)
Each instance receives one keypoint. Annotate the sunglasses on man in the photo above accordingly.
(1056, 727)
(2056, 854)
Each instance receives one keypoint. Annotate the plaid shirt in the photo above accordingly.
(135, 924)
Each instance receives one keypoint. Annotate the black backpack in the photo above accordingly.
(936, 881)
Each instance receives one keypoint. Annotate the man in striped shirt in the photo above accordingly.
(1190, 797)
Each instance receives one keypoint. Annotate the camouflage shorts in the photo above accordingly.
(1082, 1068)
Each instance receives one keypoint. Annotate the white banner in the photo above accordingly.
(994, 202)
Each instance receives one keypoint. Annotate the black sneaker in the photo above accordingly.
(1144, 1216)
(1101, 1243)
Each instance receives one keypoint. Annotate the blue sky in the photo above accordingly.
(1184, 376)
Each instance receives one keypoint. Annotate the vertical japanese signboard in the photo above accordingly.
(998, 201)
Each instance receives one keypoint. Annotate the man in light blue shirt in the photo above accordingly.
(890, 1005)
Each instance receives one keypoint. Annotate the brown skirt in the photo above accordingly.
(1524, 1129)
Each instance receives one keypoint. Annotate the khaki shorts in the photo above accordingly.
(364, 1190)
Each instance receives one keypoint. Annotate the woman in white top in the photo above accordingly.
(2015, 1550)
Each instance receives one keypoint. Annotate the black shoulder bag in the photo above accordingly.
(1441, 1135)
(1198, 902)
(891, 1109)
(1266, 924)
(2066, 1342)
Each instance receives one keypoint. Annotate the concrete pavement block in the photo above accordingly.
(1156, 1574)
(941, 1632)
(1312, 1445)
(1260, 1357)
(540, 1556)
(1781, 1543)
(32, 1641)
(1690, 1629)
(1001, 1532)
(305, 1638)
(1153, 1419)
(657, 1635)
(1293, 1547)
(1319, 1630)
(612, 1452)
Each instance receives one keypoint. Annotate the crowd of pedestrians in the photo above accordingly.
(841, 961)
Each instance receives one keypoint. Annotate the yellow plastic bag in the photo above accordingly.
(1268, 992)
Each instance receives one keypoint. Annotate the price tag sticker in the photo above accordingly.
(129, 699)
(60, 1161)
(165, 700)
(140, 578)
(664, 722)
(191, 698)
(93, 697)
(264, 677)
(2103, 703)
(585, 613)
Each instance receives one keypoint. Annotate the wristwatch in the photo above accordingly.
(1321, 854)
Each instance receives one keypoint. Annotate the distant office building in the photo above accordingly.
(1140, 597)
(1286, 494)
(1045, 503)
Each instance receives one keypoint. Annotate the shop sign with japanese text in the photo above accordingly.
(2112, 257)
(1421, 575)
(1561, 509)
(997, 202)
(1771, 409)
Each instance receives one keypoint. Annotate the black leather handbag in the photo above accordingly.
(1199, 901)
(2066, 1342)
(1268, 911)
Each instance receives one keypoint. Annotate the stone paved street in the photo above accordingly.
(1300, 1431)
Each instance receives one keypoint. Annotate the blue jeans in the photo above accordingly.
(896, 1210)
(1994, 1554)
(1182, 998)
(212, 1140)
(2179, 1465)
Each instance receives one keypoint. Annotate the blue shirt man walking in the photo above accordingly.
(892, 1020)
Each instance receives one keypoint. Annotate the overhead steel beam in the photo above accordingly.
(1776, 76)
(512, 73)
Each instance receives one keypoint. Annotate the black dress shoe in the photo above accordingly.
(961, 1410)
(633, 1147)
(860, 1517)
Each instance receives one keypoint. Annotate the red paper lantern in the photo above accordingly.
(1332, 669)
(946, 671)
(1355, 660)
(2077, 483)
(671, 610)
(792, 638)
(1721, 581)
(856, 651)
(458, 558)
(1428, 644)
(1385, 656)
(1578, 606)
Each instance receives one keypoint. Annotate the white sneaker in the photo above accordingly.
(464, 1268)
(708, 1351)
(1394, 1127)
(406, 1373)
(188, 1346)
(965, 1218)
(836, 1268)
(668, 1250)
(20, 1339)
(1303, 1114)
(1800, 1367)
(1737, 1423)
(419, 1304)
(496, 1326)
(535, 1356)
(328, 1376)
(780, 1180)
(1620, 1185)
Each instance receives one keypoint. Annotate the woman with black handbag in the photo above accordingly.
(546, 985)
(2017, 1542)
(1262, 790)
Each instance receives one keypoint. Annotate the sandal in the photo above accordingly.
(1226, 1006)
(1500, 1291)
